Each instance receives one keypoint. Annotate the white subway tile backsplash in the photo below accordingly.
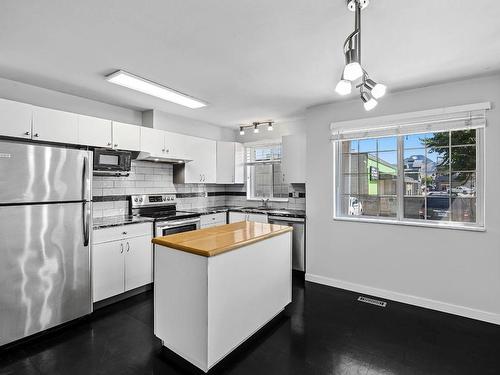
(153, 178)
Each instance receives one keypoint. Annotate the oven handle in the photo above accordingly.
(172, 224)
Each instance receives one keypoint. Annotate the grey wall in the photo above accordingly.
(22, 92)
(177, 124)
(451, 270)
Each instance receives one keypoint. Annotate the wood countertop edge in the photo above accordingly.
(221, 250)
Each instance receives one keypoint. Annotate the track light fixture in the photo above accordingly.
(256, 126)
(353, 71)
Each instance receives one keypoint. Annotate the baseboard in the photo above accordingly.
(408, 299)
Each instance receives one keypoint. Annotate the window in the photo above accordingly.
(264, 176)
(429, 178)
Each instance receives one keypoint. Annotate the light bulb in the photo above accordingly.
(270, 127)
(376, 89)
(242, 130)
(379, 90)
(368, 102)
(255, 129)
(343, 87)
(353, 71)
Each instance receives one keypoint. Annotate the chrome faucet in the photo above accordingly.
(265, 202)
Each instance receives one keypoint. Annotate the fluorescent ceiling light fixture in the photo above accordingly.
(145, 86)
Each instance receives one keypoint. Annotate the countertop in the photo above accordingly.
(270, 211)
(217, 240)
(113, 221)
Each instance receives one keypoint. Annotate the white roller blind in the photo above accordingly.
(455, 118)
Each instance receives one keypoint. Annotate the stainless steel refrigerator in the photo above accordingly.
(45, 213)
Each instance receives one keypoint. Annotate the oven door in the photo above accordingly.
(165, 228)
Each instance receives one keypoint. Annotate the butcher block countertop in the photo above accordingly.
(213, 241)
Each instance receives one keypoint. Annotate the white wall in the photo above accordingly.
(448, 270)
(39, 96)
(183, 125)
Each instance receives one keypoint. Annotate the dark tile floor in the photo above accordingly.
(324, 331)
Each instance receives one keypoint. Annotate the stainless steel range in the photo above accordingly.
(162, 208)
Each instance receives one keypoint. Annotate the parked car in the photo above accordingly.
(438, 208)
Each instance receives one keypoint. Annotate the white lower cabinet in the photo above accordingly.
(138, 262)
(212, 220)
(234, 217)
(108, 271)
(123, 264)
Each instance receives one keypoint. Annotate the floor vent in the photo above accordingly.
(372, 301)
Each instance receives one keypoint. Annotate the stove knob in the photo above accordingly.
(135, 199)
(140, 199)
(164, 199)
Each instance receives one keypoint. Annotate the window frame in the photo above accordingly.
(248, 165)
(399, 219)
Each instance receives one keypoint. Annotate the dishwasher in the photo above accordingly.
(298, 238)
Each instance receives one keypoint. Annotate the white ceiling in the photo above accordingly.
(250, 59)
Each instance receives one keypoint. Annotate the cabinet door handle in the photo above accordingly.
(124, 233)
(109, 143)
(27, 133)
(162, 150)
(121, 248)
(36, 135)
(168, 150)
(128, 247)
(116, 144)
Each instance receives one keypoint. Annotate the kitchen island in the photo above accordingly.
(215, 287)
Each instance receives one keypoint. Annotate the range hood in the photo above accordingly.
(146, 156)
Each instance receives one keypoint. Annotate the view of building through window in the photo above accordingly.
(429, 177)
(264, 175)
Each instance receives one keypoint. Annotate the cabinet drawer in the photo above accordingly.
(212, 219)
(122, 232)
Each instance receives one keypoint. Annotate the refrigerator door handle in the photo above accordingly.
(86, 223)
(85, 177)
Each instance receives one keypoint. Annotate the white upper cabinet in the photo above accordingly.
(225, 162)
(153, 141)
(176, 145)
(230, 163)
(126, 136)
(203, 167)
(15, 119)
(239, 163)
(93, 131)
(55, 126)
(293, 158)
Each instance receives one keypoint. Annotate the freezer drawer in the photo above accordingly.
(44, 267)
(35, 173)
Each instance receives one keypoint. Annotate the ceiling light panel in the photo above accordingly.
(145, 86)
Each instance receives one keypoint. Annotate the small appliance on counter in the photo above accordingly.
(110, 162)
(162, 209)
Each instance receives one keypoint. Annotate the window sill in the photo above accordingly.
(269, 200)
(436, 225)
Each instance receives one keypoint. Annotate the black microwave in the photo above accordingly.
(107, 160)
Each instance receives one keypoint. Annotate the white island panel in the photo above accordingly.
(247, 288)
